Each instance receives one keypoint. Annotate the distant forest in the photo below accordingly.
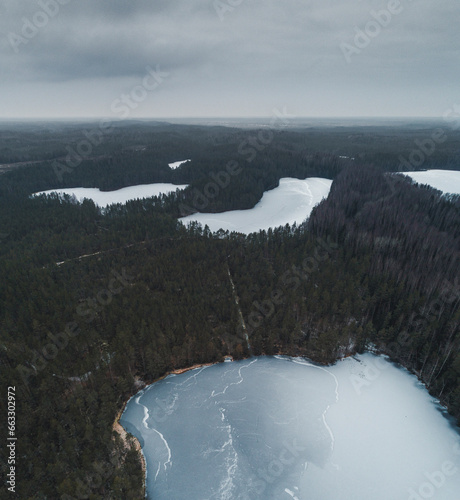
(92, 301)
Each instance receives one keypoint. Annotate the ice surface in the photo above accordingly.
(105, 198)
(292, 201)
(177, 164)
(447, 181)
(277, 428)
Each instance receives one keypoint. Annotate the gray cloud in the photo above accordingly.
(222, 56)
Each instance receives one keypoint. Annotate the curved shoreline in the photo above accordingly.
(119, 429)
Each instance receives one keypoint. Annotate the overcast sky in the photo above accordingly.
(89, 58)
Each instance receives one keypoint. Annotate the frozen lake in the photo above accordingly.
(292, 201)
(105, 198)
(278, 428)
(177, 164)
(447, 181)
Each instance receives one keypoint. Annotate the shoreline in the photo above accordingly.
(119, 429)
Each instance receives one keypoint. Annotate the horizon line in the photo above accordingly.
(175, 118)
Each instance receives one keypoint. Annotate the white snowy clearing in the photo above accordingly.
(105, 198)
(177, 164)
(447, 181)
(292, 201)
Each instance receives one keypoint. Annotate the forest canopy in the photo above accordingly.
(94, 301)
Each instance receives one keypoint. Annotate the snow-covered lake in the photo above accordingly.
(177, 164)
(292, 201)
(278, 428)
(447, 181)
(105, 198)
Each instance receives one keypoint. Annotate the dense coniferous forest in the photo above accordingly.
(94, 302)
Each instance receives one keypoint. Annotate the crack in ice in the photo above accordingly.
(331, 434)
(291, 493)
(189, 378)
(213, 394)
(146, 425)
(226, 485)
(168, 449)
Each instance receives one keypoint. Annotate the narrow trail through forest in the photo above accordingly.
(240, 314)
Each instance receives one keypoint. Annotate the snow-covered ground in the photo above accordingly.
(177, 164)
(447, 181)
(105, 198)
(292, 201)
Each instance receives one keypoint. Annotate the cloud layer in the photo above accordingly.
(231, 57)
